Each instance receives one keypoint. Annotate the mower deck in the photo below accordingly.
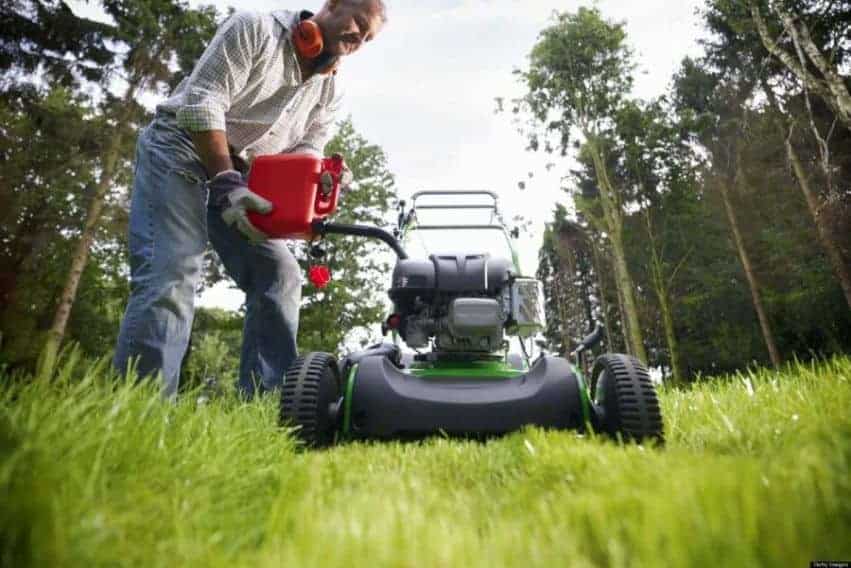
(384, 401)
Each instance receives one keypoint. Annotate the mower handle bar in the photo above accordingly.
(420, 194)
(456, 206)
(453, 227)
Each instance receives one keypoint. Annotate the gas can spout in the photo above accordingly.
(321, 228)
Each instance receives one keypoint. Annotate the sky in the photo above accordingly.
(424, 90)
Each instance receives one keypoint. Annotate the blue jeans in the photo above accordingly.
(170, 221)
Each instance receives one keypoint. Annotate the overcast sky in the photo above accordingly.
(424, 91)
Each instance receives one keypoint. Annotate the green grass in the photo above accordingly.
(94, 472)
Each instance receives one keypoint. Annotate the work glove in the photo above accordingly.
(346, 178)
(230, 192)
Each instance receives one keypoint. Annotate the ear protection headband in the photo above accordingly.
(307, 38)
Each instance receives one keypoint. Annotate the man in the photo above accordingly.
(259, 88)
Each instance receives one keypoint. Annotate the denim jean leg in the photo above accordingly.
(168, 237)
(270, 276)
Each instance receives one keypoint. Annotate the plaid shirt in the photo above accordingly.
(249, 84)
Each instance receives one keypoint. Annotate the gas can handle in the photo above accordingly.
(329, 186)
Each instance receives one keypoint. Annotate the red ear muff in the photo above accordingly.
(307, 39)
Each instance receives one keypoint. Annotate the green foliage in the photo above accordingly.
(714, 100)
(44, 195)
(158, 33)
(579, 78)
(579, 71)
(96, 472)
(658, 172)
(45, 36)
(572, 293)
(64, 124)
(214, 348)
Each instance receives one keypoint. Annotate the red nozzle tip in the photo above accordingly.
(319, 276)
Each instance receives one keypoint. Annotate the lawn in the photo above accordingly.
(96, 472)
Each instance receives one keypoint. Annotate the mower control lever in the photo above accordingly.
(590, 340)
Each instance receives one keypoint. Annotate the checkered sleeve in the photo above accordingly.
(220, 74)
(321, 128)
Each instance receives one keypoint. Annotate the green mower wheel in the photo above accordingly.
(625, 401)
(309, 399)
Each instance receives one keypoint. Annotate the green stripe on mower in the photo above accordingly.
(584, 396)
(472, 370)
(347, 403)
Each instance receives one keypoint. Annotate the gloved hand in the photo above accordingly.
(346, 178)
(229, 191)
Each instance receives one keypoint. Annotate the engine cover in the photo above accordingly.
(413, 277)
(453, 273)
(470, 273)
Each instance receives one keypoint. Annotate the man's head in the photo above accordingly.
(347, 24)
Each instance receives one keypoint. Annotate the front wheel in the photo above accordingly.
(625, 401)
(310, 397)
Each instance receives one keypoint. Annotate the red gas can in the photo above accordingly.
(303, 188)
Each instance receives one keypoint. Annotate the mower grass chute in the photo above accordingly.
(455, 309)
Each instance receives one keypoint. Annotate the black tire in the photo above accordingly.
(310, 399)
(625, 401)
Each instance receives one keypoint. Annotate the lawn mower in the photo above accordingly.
(457, 299)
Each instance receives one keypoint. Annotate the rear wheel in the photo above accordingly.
(625, 401)
(310, 399)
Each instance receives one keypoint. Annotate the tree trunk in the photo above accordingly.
(586, 292)
(814, 203)
(559, 293)
(563, 272)
(80, 256)
(756, 296)
(604, 303)
(660, 285)
(627, 338)
(840, 267)
(614, 220)
(562, 313)
(671, 338)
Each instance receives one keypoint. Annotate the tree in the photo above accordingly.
(786, 79)
(712, 107)
(45, 37)
(48, 158)
(45, 150)
(565, 267)
(657, 167)
(580, 73)
(817, 71)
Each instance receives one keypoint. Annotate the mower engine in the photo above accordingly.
(466, 303)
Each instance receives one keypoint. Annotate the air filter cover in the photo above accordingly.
(474, 317)
(527, 307)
